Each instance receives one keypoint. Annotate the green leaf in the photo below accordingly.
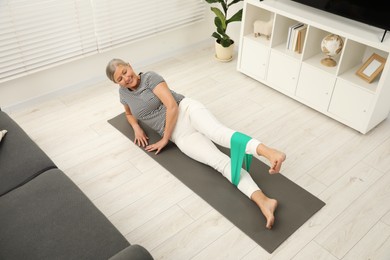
(221, 2)
(216, 35)
(234, 2)
(226, 42)
(235, 18)
(213, 1)
(224, 7)
(220, 17)
(221, 32)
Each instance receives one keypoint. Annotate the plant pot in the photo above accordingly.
(224, 53)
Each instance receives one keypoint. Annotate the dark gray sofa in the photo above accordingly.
(44, 215)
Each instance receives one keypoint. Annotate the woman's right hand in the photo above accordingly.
(140, 138)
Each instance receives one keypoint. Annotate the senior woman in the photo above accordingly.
(190, 125)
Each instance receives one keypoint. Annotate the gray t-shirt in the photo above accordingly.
(144, 104)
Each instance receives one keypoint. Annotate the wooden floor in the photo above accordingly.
(347, 170)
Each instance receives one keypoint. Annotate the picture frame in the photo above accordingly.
(371, 67)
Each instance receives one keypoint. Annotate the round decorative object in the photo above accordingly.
(331, 45)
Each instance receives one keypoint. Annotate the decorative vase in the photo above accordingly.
(331, 45)
(224, 54)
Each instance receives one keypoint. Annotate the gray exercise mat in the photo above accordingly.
(295, 207)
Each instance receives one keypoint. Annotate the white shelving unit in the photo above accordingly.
(334, 91)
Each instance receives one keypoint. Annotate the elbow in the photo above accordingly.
(173, 108)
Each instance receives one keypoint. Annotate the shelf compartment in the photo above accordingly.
(353, 58)
(251, 14)
(280, 30)
(313, 53)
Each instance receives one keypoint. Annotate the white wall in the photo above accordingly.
(90, 70)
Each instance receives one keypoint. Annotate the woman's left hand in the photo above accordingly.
(157, 146)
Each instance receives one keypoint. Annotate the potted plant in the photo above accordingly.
(224, 45)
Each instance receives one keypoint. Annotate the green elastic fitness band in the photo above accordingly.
(237, 154)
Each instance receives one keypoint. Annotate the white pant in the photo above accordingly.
(196, 130)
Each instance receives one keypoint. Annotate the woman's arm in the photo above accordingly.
(140, 138)
(164, 94)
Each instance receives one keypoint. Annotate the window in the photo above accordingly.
(40, 34)
(36, 35)
(121, 21)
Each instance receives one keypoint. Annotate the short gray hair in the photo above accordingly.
(111, 67)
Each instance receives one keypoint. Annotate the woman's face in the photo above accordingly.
(126, 77)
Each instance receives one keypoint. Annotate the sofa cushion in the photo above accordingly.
(50, 218)
(20, 158)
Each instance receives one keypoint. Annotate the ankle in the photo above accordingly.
(258, 197)
(263, 150)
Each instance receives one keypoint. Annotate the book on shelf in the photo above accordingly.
(290, 36)
(295, 32)
(300, 38)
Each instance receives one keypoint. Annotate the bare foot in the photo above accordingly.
(275, 157)
(267, 207)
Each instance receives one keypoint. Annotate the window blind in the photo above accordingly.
(119, 22)
(36, 35)
(39, 34)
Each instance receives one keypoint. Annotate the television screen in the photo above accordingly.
(371, 12)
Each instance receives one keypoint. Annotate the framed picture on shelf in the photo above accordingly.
(371, 68)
